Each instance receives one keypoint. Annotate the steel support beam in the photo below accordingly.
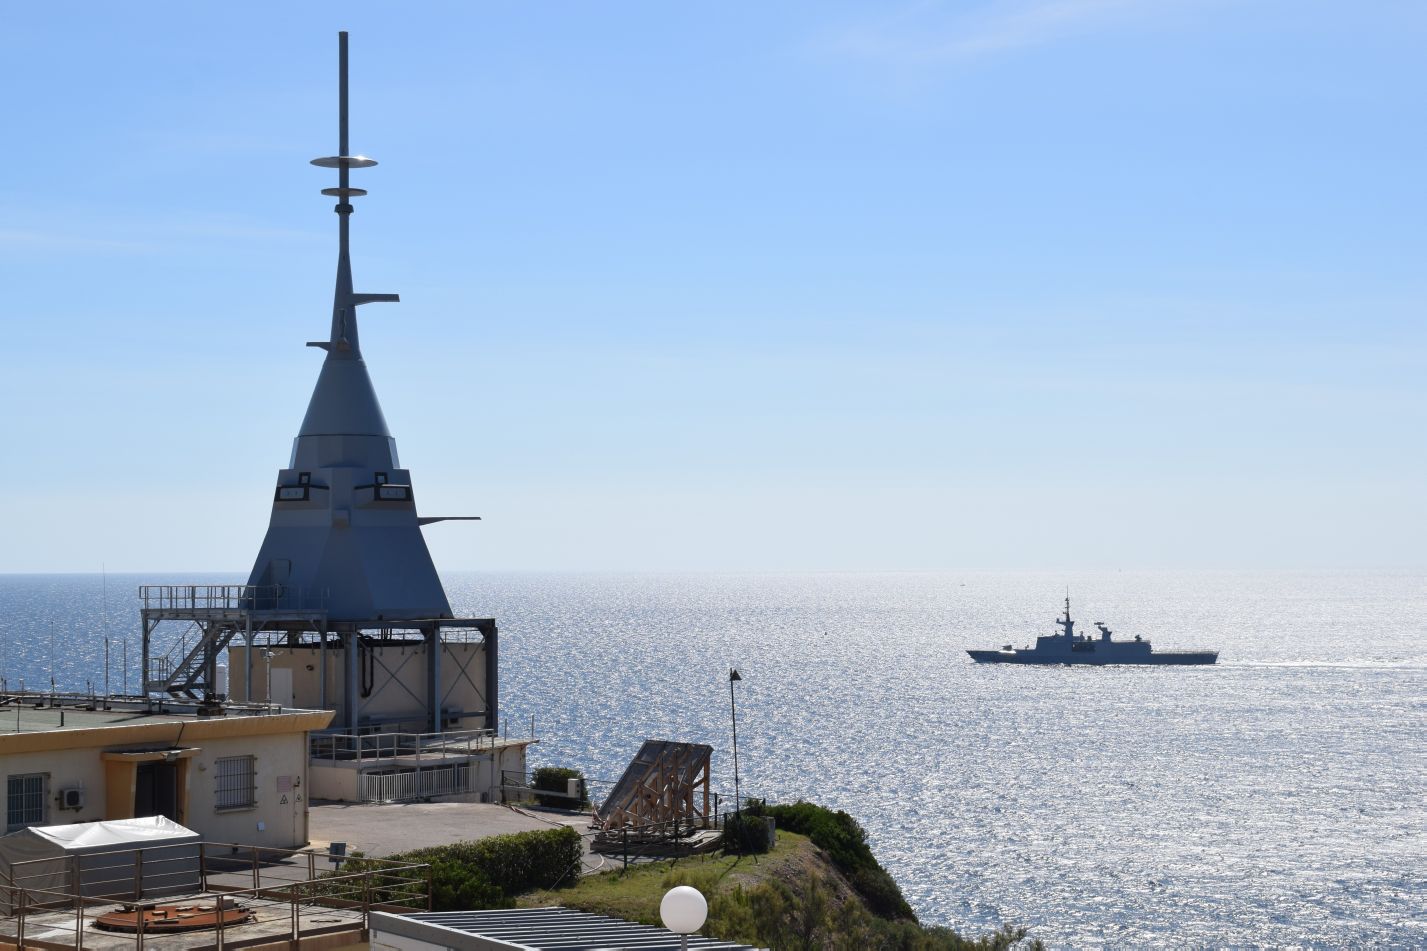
(351, 690)
(492, 644)
(433, 678)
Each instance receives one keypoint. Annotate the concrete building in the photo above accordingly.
(237, 777)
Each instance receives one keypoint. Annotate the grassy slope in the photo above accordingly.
(835, 917)
(635, 895)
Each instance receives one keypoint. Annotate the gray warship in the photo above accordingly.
(1068, 647)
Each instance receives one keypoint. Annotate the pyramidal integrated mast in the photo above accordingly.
(343, 608)
(344, 517)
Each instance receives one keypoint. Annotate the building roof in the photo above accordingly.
(30, 723)
(538, 929)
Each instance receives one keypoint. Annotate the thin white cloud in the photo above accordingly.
(23, 240)
(931, 33)
(218, 228)
(147, 237)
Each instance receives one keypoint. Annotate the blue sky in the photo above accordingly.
(1009, 284)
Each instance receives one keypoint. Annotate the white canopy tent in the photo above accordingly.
(126, 859)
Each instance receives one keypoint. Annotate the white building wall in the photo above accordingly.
(278, 816)
(338, 783)
(398, 677)
(281, 788)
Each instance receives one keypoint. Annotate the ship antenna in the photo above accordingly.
(104, 608)
(343, 338)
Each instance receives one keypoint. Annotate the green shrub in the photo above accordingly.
(487, 873)
(845, 842)
(459, 887)
(556, 779)
(745, 833)
(512, 863)
(381, 886)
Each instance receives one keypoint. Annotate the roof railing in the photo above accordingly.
(337, 746)
(230, 597)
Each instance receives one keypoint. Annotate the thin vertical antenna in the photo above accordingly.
(342, 100)
(344, 171)
(343, 339)
(104, 609)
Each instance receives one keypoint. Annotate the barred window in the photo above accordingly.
(233, 782)
(25, 801)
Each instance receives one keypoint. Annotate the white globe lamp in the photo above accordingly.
(683, 911)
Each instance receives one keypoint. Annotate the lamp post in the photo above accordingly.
(268, 662)
(683, 911)
(733, 678)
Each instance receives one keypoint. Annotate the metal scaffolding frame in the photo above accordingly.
(278, 615)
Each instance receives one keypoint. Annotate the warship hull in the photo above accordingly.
(1090, 659)
(1067, 647)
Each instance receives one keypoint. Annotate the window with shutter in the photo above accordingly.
(233, 782)
(25, 801)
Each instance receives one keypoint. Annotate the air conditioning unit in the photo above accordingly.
(71, 798)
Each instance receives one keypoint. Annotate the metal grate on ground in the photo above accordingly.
(538, 929)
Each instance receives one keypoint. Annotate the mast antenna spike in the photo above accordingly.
(342, 96)
(343, 338)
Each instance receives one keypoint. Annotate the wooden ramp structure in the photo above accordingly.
(666, 785)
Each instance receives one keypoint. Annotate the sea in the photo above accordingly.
(1277, 799)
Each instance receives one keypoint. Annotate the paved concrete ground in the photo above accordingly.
(379, 829)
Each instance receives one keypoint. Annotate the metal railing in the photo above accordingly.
(405, 785)
(55, 895)
(337, 747)
(163, 665)
(230, 597)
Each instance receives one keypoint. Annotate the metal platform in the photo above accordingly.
(214, 615)
(294, 896)
(184, 663)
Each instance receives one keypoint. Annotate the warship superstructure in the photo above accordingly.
(1068, 647)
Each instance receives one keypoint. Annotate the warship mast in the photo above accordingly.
(1065, 623)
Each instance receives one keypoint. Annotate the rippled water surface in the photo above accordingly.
(1277, 799)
